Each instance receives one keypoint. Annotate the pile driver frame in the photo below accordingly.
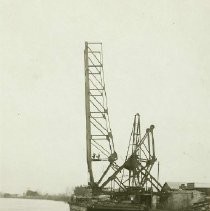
(134, 175)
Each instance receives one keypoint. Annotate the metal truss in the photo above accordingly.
(99, 139)
(136, 170)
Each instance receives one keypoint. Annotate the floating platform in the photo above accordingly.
(107, 207)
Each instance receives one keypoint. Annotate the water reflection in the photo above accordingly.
(7, 204)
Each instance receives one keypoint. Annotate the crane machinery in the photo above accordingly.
(139, 160)
(132, 180)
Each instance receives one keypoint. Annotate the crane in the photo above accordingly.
(135, 173)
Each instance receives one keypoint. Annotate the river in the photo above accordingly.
(8, 204)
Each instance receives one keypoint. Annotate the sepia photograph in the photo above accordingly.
(105, 105)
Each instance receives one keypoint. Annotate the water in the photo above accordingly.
(7, 204)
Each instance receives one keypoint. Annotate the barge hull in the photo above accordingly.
(105, 208)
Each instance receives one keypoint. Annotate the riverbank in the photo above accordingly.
(63, 198)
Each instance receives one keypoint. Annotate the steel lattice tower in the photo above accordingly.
(99, 139)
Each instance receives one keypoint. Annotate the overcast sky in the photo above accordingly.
(156, 63)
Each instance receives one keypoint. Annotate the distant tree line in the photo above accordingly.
(30, 194)
(83, 191)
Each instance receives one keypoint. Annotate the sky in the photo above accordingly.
(156, 63)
